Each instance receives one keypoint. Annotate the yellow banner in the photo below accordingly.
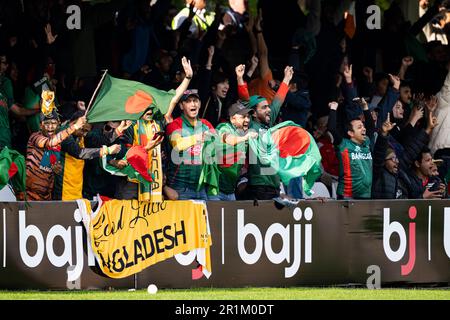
(128, 236)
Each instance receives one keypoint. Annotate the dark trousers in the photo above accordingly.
(263, 192)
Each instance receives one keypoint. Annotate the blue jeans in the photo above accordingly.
(227, 197)
(295, 189)
(186, 193)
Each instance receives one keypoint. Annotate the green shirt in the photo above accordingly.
(6, 102)
(355, 169)
(259, 173)
(30, 100)
(185, 166)
(231, 158)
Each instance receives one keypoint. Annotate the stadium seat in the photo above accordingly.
(6, 194)
(320, 190)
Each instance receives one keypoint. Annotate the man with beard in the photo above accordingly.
(263, 181)
(233, 137)
(43, 152)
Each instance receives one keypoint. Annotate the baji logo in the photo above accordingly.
(26, 232)
(389, 228)
(447, 231)
(284, 232)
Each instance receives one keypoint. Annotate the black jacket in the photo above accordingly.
(402, 185)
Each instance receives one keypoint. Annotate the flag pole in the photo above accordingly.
(96, 90)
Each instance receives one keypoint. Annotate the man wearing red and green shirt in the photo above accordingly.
(186, 137)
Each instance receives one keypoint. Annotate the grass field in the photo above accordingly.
(236, 294)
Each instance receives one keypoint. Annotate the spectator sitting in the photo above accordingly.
(422, 183)
(390, 180)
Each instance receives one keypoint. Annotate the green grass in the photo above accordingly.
(236, 294)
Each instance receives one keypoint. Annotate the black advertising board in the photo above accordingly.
(44, 246)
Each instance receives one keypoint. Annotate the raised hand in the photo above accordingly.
(363, 104)
(48, 31)
(416, 114)
(348, 73)
(407, 61)
(240, 70)
(333, 105)
(81, 105)
(395, 80)
(432, 121)
(154, 142)
(368, 73)
(187, 67)
(254, 61)
(387, 126)
(168, 118)
(80, 122)
(124, 125)
(211, 51)
(288, 74)
(431, 103)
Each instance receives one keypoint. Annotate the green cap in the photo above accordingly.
(254, 100)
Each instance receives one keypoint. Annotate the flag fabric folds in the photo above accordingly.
(12, 169)
(291, 151)
(120, 99)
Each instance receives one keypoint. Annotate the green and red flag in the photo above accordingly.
(12, 169)
(120, 99)
(291, 151)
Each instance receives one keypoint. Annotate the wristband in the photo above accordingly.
(188, 77)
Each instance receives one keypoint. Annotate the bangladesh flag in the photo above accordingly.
(120, 99)
(209, 176)
(291, 151)
(12, 169)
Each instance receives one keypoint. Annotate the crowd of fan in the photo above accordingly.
(375, 101)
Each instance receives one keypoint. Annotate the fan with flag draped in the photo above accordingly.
(291, 151)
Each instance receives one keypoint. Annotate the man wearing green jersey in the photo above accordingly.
(233, 145)
(7, 104)
(263, 181)
(354, 154)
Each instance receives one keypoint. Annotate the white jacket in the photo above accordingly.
(440, 138)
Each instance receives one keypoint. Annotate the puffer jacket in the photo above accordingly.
(440, 138)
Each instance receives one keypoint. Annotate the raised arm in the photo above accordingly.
(379, 151)
(47, 142)
(242, 85)
(391, 98)
(181, 88)
(278, 100)
(332, 123)
(369, 123)
(406, 63)
(262, 48)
